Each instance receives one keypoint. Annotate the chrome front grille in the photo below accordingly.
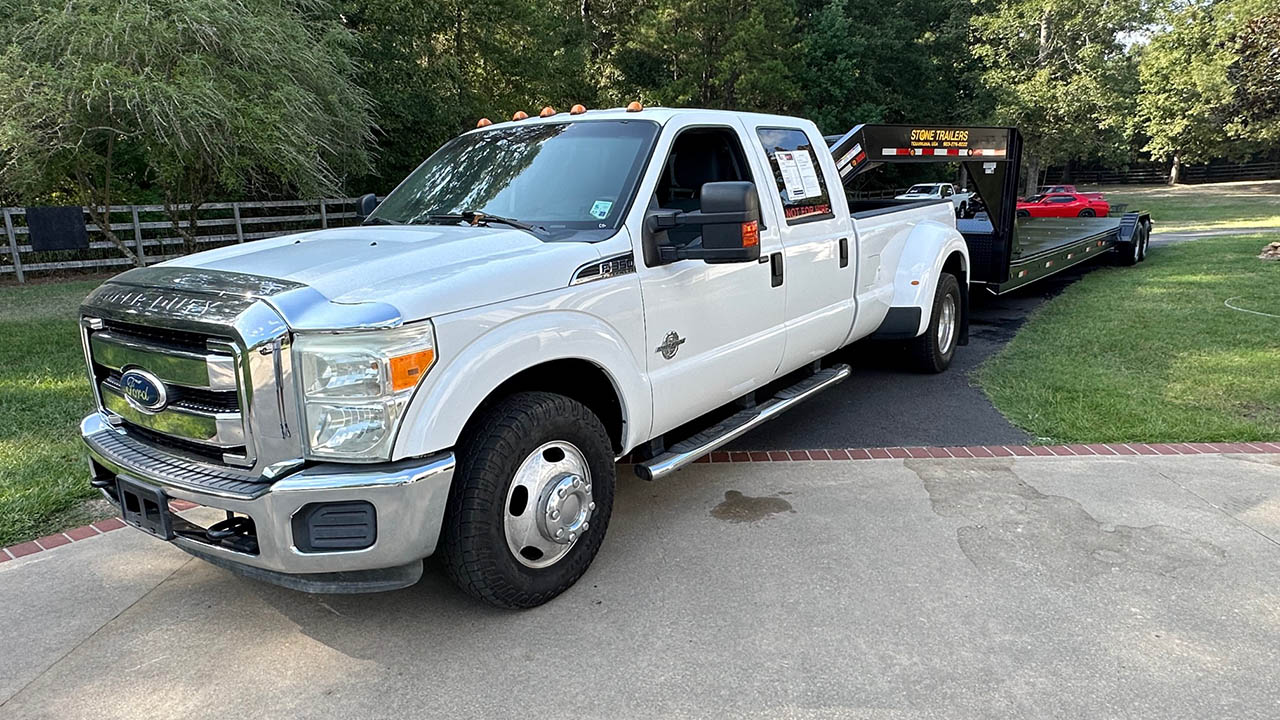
(205, 410)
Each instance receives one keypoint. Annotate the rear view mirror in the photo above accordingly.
(730, 222)
(366, 205)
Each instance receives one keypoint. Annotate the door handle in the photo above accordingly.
(844, 252)
(775, 269)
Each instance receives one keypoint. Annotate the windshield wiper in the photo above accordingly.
(475, 217)
(379, 221)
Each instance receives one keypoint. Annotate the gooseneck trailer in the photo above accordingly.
(1007, 251)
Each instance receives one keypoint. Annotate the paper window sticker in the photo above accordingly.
(790, 175)
(808, 174)
(600, 209)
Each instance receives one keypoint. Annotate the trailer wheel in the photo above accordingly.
(1088, 212)
(1132, 252)
(1146, 241)
(531, 502)
(932, 351)
(962, 212)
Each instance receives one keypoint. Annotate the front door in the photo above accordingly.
(713, 332)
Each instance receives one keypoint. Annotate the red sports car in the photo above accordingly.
(1063, 205)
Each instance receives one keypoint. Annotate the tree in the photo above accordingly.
(1058, 70)
(1184, 106)
(199, 96)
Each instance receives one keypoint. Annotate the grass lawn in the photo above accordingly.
(44, 392)
(1151, 353)
(1211, 206)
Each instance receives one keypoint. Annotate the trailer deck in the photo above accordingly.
(1044, 246)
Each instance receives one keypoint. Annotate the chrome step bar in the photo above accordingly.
(739, 424)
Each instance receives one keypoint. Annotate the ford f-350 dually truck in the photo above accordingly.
(459, 374)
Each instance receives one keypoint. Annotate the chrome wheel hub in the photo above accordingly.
(549, 504)
(946, 324)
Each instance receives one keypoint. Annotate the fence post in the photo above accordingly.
(235, 208)
(137, 237)
(13, 246)
(324, 217)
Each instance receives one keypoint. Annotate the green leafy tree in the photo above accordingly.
(1058, 70)
(193, 97)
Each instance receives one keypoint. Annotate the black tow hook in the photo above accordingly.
(235, 533)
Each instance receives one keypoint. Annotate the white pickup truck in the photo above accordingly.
(459, 374)
(961, 201)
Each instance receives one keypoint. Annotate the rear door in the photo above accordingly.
(817, 238)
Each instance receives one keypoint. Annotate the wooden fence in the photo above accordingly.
(1191, 174)
(148, 232)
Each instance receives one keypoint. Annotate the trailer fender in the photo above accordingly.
(931, 249)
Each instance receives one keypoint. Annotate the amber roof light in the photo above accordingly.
(547, 111)
(520, 115)
(484, 122)
(577, 110)
(635, 106)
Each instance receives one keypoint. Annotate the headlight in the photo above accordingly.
(356, 385)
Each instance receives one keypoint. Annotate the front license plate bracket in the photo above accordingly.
(145, 507)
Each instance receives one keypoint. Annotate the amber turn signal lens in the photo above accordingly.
(520, 115)
(407, 370)
(577, 110)
(750, 234)
(547, 111)
(484, 122)
(635, 106)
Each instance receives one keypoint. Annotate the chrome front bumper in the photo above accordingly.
(409, 498)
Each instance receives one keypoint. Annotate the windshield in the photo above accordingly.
(564, 179)
(922, 189)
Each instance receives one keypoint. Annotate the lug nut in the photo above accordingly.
(588, 488)
(591, 506)
(586, 526)
(555, 515)
(573, 536)
(560, 533)
(560, 492)
(577, 482)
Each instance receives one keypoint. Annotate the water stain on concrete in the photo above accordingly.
(1016, 529)
(739, 508)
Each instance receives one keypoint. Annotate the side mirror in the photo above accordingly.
(366, 205)
(730, 222)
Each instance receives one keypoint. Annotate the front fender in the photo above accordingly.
(927, 250)
(505, 345)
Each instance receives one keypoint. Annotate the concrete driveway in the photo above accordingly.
(1012, 587)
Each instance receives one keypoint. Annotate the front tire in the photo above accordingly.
(532, 500)
(932, 352)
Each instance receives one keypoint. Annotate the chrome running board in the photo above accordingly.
(739, 424)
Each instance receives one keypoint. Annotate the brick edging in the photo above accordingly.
(84, 532)
(48, 542)
(987, 451)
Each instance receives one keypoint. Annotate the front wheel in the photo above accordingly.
(932, 351)
(531, 502)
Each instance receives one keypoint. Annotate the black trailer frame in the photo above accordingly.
(1005, 252)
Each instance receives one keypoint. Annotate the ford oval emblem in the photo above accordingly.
(143, 390)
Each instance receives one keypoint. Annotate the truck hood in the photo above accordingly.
(422, 271)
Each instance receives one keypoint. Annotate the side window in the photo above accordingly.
(798, 176)
(1061, 199)
(699, 155)
(947, 191)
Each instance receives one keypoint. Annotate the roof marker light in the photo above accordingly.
(484, 122)
(577, 110)
(547, 111)
(635, 106)
(520, 115)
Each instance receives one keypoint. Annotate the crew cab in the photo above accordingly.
(940, 191)
(1063, 205)
(459, 374)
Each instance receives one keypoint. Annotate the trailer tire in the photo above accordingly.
(1131, 253)
(496, 485)
(932, 351)
(1146, 241)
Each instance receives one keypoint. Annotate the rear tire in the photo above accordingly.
(1088, 212)
(515, 465)
(1024, 213)
(932, 352)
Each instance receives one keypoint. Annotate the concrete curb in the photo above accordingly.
(65, 537)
